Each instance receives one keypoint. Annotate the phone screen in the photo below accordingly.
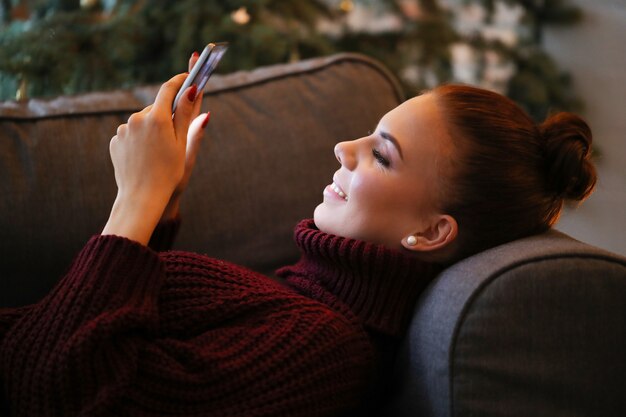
(202, 70)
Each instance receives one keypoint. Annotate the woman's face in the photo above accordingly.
(387, 186)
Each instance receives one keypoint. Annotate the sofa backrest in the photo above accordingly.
(535, 327)
(267, 157)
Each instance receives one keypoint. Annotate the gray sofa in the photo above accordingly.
(536, 327)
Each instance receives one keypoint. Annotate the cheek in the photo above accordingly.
(360, 189)
(377, 204)
(380, 193)
(390, 201)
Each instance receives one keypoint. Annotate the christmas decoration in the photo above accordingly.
(346, 5)
(240, 16)
(505, 38)
(65, 47)
(88, 4)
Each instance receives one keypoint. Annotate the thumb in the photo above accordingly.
(184, 112)
(195, 137)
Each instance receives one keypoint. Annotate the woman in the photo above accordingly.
(129, 331)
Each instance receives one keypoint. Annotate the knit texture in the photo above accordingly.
(129, 331)
(377, 284)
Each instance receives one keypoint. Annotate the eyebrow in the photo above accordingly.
(388, 136)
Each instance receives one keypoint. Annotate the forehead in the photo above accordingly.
(417, 112)
(416, 123)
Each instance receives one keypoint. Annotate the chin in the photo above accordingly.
(318, 217)
(322, 218)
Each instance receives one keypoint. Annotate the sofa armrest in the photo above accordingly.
(535, 327)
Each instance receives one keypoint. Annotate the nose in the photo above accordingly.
(345, 154)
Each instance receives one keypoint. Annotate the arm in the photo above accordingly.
(301, 362)
(194, 140)
(152, 163)
(111, 290)
(54, 360)
(8, 317)
(211, 339)
(148, 155)
(166, 230)
(138, 203)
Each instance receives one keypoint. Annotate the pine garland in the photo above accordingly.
(71, 46)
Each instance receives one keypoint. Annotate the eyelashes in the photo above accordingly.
(380, 158)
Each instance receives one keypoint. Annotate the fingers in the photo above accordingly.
(170, 88)
(184, 112)
(121, 130)
(194, 140)
(193, 59)
(188, 106)
(147, 109)
(198, 103)
(196, 132)
(167, 92)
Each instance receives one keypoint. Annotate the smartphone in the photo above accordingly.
(202, 70)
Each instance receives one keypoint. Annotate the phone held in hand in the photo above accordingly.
(202, 70)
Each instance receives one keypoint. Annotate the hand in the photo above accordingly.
(148, 155)
(194, 140)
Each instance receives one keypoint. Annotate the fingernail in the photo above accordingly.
(206, 120)
(191, 95)
(195, 54)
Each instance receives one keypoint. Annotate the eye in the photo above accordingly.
(380, 158)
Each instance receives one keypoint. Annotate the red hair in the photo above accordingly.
(508, 177)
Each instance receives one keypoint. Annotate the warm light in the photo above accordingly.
(346, 5)
(240, 16)
(88, 4)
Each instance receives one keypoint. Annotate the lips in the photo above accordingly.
(337, 189)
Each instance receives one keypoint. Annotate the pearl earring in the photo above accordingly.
(411, 240)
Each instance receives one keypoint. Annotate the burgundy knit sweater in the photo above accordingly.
(130, 331)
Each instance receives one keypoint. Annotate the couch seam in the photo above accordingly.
(329, 62)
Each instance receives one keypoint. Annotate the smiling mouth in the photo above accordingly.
(338, 191)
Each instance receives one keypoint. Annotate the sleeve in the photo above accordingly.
(8, 317)
(164, 235)
(302, 362)
(75, 349)
(114, 338)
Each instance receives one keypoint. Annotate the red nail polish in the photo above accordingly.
(206, 120)
(191, 95)
(195, 54)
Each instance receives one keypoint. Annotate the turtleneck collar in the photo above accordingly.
(377, 284)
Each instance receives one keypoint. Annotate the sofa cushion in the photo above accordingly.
(267, 157)
(535, 327)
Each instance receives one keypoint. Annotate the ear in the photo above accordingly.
(438, 235)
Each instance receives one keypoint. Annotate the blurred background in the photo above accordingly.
(547, 55)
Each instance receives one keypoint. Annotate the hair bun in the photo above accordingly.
(571, 174)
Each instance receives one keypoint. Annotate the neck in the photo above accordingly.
(378, 285)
